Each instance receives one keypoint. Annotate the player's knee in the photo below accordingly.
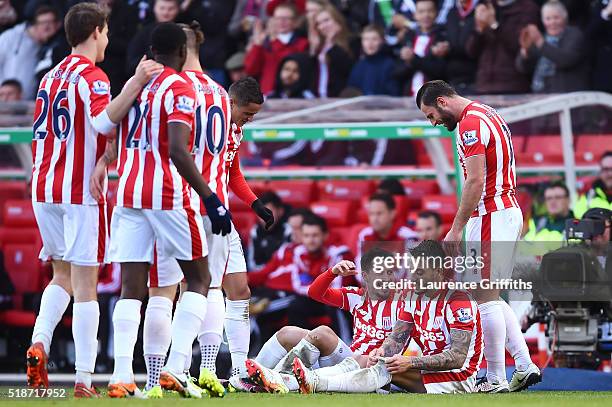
(322, 333)
(289, 336)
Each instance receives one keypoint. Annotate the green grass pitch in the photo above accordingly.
(527, 399)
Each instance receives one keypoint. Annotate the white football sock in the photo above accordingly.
(337, 356)
(126, 320)
(85, 320)
(494, 334)
(347, 365)
(211, 333)
(53, 304)
(188, 317)
(515, 341)
(238, 332)
(304, 350)
(271, 353)
(156, 337)
(357, 381)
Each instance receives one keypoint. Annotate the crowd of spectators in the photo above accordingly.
(339, 48)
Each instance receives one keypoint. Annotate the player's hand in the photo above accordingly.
(264, 213)
(344, 268)
(375, 356)
(220, 217)
(96, 181)
(398, 364)
(146, 70)
(452, 242)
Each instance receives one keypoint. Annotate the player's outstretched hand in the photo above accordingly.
(220, 216)
(264, 213)
(375, 356)
(96, 182)
(398, 364)
(344, 268)
(147, 69)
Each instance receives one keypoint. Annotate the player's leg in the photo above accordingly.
(319, 342)
(503, 252)
(157, 324)
(180, 235)
(237, 322)
(411, 381)
(478, 238)
(355, 381)
(132, 245)
(279, 344)
(85, 231)
(56, 296)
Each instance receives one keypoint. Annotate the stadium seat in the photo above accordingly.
(539, 158)
(584, 183)
(543, 143)
(339, 190)
(19, 213)
(336, 213)
(445, 205)
(297, 193)
(416, 189)
(244, 221)
(10, 190)
(589, 147)
(22, 266)
(353, 237)
(20, 235)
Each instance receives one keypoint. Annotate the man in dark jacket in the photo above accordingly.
(599, 35)
(494, 42)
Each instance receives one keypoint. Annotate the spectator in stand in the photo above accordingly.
(332, 51)
(214, 17)
(53, 51)
(384, 227)
(429, 226)
(460, 67)
(268, 50)
(8, 15)
(494, 42)
(246, 13)
(418, 63)
(235, 67)
(19, 47)
(396, 16)
(599, 35)
(556, 59)
(263, 243)
(600, 194)
(164, 11)
(391, 186)
(313, 7)
(122, 18)
(294, 78)
(372, 74)
(310, 259)
(10, 91)
(551, 226)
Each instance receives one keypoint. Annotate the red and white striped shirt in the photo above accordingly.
(433, 319)
(68, 118)
(147, 177)
(210, 134)
(373, 320)
(483, 131)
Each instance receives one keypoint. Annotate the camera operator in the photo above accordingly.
(601, 239)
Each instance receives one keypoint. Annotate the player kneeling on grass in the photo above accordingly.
(374, 314)
(444, 323)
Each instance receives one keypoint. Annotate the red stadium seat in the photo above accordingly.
(298, 193)
(353, 240)
(445, 205)
(19, 213)
(335, 213)
(589, 147)
(538, 158)
(416, 189)
(20, 235)
(340, 190)
(11, 190)
(543, 143)
(23, 267)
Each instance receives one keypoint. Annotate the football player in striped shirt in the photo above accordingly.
(374, 311)
(492, 219)
(73, 114)
(444, 323)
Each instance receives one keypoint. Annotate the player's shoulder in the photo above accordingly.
(455, 296)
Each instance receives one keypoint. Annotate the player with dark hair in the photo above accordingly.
(444, 323)
(429, 225)
(489, 212)
(374, 312)
(73, 113)
(156, 170)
